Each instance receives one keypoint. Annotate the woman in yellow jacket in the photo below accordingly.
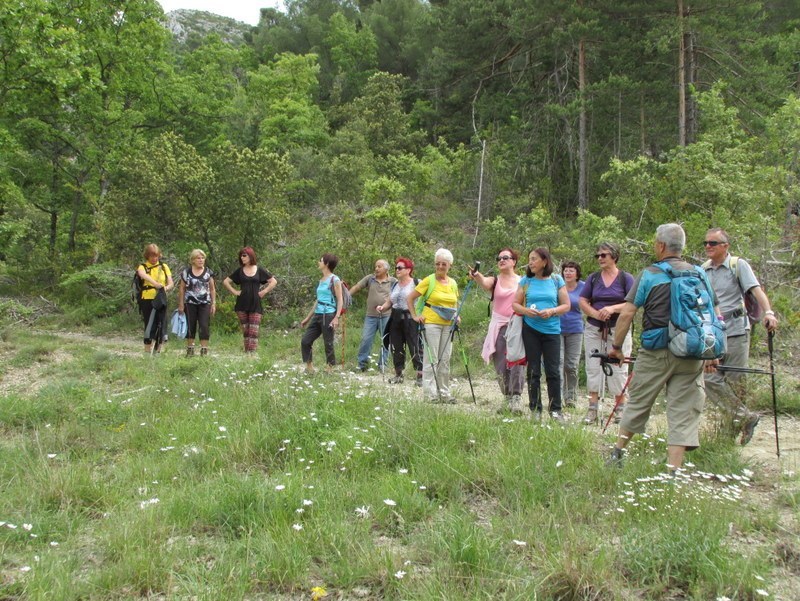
(154, 275)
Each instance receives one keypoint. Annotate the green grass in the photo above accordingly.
(128, 476)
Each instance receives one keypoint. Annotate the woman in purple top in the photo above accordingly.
(602, 298)
(571, 333)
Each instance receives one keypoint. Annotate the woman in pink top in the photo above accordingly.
(503, 288)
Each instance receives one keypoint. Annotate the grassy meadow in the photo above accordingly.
(130, 477)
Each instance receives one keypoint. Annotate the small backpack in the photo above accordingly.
(138, 284)
(694, 331)
(347, 298)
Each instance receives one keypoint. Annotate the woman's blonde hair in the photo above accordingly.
(196, 253)
(152, 250)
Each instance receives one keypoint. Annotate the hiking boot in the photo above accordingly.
(591, 415)
(396, 379)
(616, 458)
(749, 427)
(618, 413)
(515, 404)
(570, 404)
(190, 351)
(557, 416)
(362, 368)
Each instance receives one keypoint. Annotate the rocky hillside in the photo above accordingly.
(184, 23)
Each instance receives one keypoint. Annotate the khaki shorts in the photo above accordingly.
(683, 379)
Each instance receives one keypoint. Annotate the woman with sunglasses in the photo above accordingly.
(402, 331)
(503, 288)
(602, 298)
(254, 283)
(542, 299)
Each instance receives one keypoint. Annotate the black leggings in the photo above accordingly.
(197, 315)
(543, 348)
(320, 326)
(159, 323)
(404, 331)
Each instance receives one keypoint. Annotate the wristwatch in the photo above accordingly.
(616, 347)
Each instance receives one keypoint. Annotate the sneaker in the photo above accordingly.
(749, 427)
(616, 458)
(515, 404)
(190, 351)
(536, 415)
(557, 416)
(591, 415)
(203, 351)
(396, 379)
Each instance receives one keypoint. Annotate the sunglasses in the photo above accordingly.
(400, 267)
(504, 258)
(602, 255)
(712, 242)
(241, 256)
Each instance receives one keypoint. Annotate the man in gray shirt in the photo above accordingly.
(379, 286)
(731, 277)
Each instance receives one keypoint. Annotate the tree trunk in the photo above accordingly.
(583, 147)
(691, 78)
(681, 78)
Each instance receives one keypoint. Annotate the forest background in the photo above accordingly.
(374, 129)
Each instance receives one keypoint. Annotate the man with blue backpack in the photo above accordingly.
(680, 330)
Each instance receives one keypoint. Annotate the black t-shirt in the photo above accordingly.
(249, 300)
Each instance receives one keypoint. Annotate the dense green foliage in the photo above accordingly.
(375, 128)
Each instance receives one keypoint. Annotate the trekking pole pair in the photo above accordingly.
(455, 329)
(771, 373)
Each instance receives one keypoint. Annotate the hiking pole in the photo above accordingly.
(344, 335)
(605, 362)
(454, 329)
(466, 364)
(770, 337)
(430, 359)
(381, 354)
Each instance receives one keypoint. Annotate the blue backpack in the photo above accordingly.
(694, 331)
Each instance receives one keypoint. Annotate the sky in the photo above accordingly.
(241, 10)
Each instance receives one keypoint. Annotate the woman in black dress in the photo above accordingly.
(251, 279)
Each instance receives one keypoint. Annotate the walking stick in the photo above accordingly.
(605, 362)
(770, 337)
(344, 334)
(430, 359)
(454, 329)
(466, 364)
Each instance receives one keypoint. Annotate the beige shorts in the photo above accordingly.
(685, 393)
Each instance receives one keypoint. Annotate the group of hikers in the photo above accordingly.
(538, 316)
